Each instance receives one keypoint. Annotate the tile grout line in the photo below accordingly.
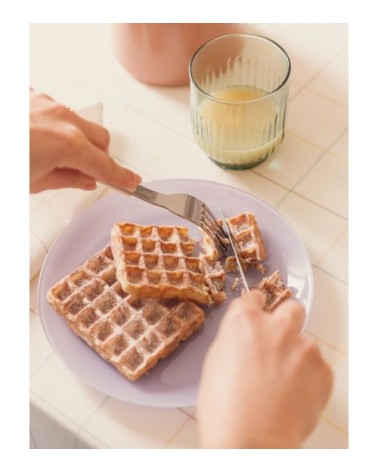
(334, 425)
(306, 87)
(304, 140)
(188, 414)
(311, 41)
(37, 369)
(325, 151)
(78, 427)
(177, 432)
(104, 445)
(297, 194)
(293, 192)
(330, 274)
(39, 240)
(338, 350)
(82, 426)
(41, 399)
(330, 249)
(132, 108)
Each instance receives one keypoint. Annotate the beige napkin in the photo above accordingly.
(51, 211)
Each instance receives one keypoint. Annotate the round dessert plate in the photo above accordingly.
(174, 381)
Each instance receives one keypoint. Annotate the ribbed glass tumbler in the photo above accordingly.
(238, 94)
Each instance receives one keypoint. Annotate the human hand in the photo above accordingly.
(67, 150)
(264, 383)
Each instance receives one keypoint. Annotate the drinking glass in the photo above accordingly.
(238, 95)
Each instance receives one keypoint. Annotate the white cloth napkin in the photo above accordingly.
(51, 211)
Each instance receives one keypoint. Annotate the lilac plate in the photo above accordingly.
(174, 381)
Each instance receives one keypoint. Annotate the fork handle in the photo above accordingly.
(146, 194)
(141, 192)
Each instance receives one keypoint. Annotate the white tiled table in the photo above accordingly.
(306, 180)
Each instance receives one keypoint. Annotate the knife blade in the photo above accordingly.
(235, 252)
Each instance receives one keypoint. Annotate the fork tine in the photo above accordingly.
(209, 215)
(216, 232)
(218, 243)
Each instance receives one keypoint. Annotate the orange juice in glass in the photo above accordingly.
(239, 87)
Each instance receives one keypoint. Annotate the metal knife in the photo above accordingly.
(235, 252)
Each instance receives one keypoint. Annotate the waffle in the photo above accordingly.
(275, 290)
(215, 277)
(210, 250)
(159, 262)
(131, 334)
(250, 246)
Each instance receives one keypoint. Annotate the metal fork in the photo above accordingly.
(186, 206)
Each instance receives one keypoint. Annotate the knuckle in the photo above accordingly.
(58, 109)
(73, 136)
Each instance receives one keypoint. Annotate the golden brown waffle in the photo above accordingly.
(158, 262)
(208, 246)
(131, 334)
(250, 245)
(215, 277)
(275, 290)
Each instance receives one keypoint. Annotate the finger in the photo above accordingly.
(249, 302)
(328, 382)
(63, 178)
(243, 314)
(94, 132)
(245, 307)
(310, 351)
(293, 311)
(99, 165)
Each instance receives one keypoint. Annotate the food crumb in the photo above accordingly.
(235, 283)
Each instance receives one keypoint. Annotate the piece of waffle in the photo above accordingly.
(250, 246)
(131, 334)
(215, 277)
(275, 290)
(210, 250)
(158, 262)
